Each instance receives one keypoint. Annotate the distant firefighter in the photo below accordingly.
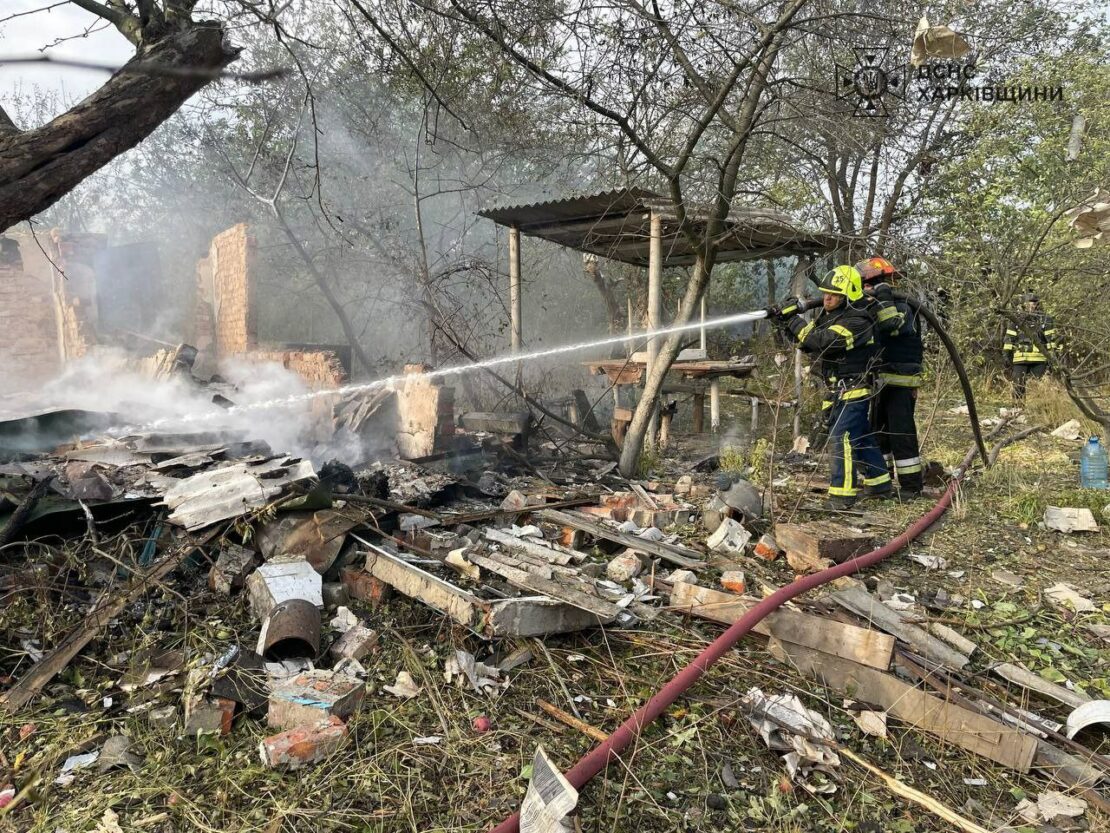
(1029, 357)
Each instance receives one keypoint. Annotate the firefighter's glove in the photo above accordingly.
(882, 292)
(784, 310)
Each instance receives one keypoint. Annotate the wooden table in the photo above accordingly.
(621, 372)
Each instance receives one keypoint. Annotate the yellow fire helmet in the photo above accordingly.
(843, 280)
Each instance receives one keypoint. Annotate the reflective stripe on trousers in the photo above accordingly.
(853, 448)
(911, 465)
(901, 380)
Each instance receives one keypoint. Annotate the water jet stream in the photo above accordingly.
(390, 381)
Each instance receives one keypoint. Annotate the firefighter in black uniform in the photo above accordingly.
(1029, 357)
(843, 338)
(900, 364)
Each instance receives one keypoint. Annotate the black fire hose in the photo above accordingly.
(958, 363)
(965, 384)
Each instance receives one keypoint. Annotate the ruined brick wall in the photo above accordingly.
(425, 413)
(29, 351)
(222, 320)
(73, 254)
(320, 369)
(46, 318)
(76, 332)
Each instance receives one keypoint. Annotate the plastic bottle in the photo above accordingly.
(1093, 465)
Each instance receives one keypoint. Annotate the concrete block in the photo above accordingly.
(281, 579)
(730, 537)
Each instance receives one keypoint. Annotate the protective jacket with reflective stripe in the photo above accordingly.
(900, 349)
(844, 341)
(1026, 351)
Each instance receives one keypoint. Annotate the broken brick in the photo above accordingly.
(767, 548)
(307, 698)
(517, 501)
(624, 567)
(572, 538)
(303, 745)
(210, 714)
(364, 587)
(733, 580)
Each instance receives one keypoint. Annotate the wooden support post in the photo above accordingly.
(655, 308)
(664, 428)
(631, 347)
(699, 413)
(798, 287)
(514, 289)
(715, 405)
(755, 416)
(515, 325)
(702, 331)
(621, 418)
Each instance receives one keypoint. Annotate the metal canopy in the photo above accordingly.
(616, 225)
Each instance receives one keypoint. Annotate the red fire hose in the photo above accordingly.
(598, 759)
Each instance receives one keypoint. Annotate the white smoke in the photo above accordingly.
(107, 382)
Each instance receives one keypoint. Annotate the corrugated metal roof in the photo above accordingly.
(615, 224)
(571, 207)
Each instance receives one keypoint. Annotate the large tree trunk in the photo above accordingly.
(41, 165)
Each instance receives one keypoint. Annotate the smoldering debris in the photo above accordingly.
(214, 582)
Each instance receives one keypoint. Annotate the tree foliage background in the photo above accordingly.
(362, 167)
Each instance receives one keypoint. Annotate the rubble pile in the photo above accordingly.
(301, 574)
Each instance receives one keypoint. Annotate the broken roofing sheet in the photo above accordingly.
(232, 490)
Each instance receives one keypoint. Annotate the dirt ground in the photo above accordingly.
(672, 780)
